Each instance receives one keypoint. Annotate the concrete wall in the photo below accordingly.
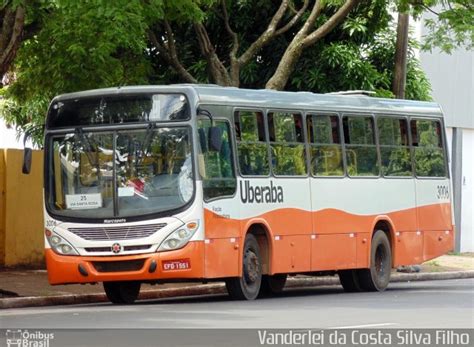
(467, 191)
(21, 210)
(466, 227)
(452, 80)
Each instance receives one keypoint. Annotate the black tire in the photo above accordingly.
(122, 292)
(377, 277)
(247, 287)
(350, 280)
(272, 285)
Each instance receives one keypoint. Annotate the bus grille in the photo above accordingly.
(117, 233)
(118, 266)
(125, 248)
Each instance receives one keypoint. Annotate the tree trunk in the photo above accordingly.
(286, 66)
(10, 36)
(400, 69)
(304, 38)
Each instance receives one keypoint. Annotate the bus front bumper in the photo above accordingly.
(184, 263)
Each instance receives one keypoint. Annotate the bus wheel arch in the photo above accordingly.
(262, 234)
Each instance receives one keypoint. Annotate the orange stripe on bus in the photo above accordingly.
(340, 240)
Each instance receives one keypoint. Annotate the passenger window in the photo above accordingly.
(394, 148)
(325, 145)
(287, 144)
(216, 167)
(428, 148)
(252, 148)
(361, 151)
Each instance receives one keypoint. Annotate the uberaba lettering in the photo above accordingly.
(260, 194)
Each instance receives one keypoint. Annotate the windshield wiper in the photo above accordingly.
(148, 140)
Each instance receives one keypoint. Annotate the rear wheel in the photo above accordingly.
(247, 287)
(272, 285)
(377, 277)
(122, 292)
(350, 280)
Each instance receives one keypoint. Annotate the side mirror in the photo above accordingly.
(27, 159)
(27, 153)
(215, 139)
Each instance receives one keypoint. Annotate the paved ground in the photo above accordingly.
(432, 304)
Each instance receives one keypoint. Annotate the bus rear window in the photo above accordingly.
(118, 109)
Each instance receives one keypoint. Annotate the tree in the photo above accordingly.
(309, 23)
(451, 24)
(326, 45)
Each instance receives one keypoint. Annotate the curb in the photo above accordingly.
(215, 288)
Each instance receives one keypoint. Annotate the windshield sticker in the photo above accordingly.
(83, 201)
(126, 191)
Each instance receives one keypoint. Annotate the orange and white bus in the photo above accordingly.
(151, 184)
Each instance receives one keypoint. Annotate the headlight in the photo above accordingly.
(179, 238)
(59, 244)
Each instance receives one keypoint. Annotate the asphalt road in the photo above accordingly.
(431, 304)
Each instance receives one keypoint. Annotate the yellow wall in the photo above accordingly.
(22, 221)
(2, 207)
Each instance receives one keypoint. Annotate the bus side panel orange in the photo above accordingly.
(333, 252)
(404, 220)
(409, 248)
(291, 254)
(435, 217)
(332, 221)
(289, 221)
(222, 257)
(217, 226)
(437, 243)
(363, 250)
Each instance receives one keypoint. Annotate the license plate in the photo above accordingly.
(179, 264)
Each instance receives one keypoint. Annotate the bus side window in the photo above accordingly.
(216, 168)
(252, 148)
(361, 150)
(394, 149)
(287, 144)
(428, 148)
(325, 145)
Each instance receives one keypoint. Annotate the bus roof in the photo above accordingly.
(266, 98)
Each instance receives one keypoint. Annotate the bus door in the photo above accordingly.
(220, 202)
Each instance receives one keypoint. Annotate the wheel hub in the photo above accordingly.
(379, 260)
(252, 267)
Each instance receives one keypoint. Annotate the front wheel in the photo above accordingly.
(122, 292)
(247, 287)
(377, 277)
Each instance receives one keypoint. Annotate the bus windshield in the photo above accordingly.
(112, 174)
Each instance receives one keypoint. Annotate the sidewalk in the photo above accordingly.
(17, 284)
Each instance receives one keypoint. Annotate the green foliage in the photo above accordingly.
(99, 43)
(85, 45)
(450, 23)
(82, 45)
